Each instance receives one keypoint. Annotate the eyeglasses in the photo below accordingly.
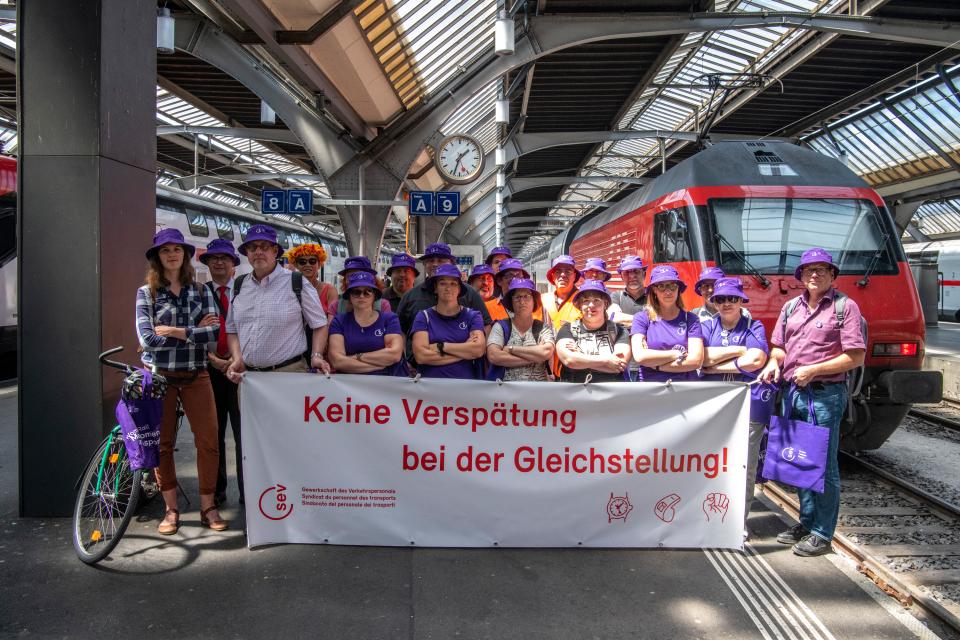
(666, 286)
(725, 299)
(302, 262)
(360, 293)
(815, 271)
(522, 297)
(219, 257)
(261, 245)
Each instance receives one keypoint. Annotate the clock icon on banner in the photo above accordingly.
(459, 158)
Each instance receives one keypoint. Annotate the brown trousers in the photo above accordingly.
(201, 410)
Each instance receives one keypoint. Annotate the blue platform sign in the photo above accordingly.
(273, 201)
(421, 203)
(448, 203)
(300, 201)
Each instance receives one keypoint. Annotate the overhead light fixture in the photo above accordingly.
(501, 180)
(503, 35)
(499, 197)
(503, 111)
(500, 156)
(267, 114)
(165, 42)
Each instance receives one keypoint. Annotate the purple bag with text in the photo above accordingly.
(797, 451)
(139, 420)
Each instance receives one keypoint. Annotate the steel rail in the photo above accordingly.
(943, 421)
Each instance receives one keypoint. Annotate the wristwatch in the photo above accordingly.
(358, 356)
(510, 349)
(440, 349)
(317, 354)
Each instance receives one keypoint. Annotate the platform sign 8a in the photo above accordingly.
(273, 201)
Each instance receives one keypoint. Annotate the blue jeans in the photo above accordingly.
(819, 511)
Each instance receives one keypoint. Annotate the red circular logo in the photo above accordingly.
(277, 504)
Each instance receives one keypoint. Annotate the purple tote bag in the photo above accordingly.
(140, 424)
(797, 451)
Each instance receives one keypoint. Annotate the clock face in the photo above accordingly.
(459, 159)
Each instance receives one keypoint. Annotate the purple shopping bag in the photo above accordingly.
(797, 451)
(139, 420)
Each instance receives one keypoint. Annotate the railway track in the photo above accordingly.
(888, 525)
(936, 418)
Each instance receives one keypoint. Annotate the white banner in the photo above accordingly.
(371, 460)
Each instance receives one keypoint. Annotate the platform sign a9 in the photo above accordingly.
(448, 203)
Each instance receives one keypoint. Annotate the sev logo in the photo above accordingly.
(275, 507)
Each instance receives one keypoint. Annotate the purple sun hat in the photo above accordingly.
(816, 254)
(597, 264)
(517, 284)
(359, 279)
(445, 271)
(498, 251)
(729, 287)
(401, 260)
(560, 261)
(709, 273)
(665, 273)
(479, 270)
(357, 263)
(260, 232)
(438, 250)
(221, 247)
(512, 264)
(592, 285)
(170, 236)
(631, 263)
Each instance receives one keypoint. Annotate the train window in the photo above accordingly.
(197, 222)
(671, 237)
(282, 238)
(244, 226)
(224, 228)
(770, 234)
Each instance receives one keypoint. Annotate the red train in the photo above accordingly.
(752, 208)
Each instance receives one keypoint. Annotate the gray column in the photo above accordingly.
(87, 113)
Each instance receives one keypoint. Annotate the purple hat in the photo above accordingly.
(170, 236)
(360, 263)
(597, 264)
(521, 283)
(479, 270)
(260, 232)
(220, 247)
(512, 264)
(816, 254)
(498, 251)
(359, 279)
(445, 271)
(403, 260)
(438, 250)
(710, 273)
(729, 287)
(630, 263)
(665, 273)
(561, 261)
(592, 285)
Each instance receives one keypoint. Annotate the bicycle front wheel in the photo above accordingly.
(108, 496)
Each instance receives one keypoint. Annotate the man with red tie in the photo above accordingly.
(222, 260)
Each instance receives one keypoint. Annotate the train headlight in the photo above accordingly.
(895, 349)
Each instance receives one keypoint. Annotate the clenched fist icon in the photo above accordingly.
(716, 504)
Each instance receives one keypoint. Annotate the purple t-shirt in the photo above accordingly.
(666, 335)
(748, 333)
(357, 339)
(448, 329)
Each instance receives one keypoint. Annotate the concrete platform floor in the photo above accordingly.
(201, 584)
(943, 354)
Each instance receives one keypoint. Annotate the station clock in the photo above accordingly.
(459, 158)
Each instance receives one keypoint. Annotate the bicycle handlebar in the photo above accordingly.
(110, 363)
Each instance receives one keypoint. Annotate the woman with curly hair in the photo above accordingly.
(308, 258)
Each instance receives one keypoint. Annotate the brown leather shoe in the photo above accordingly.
(216, 525)
(168, 528)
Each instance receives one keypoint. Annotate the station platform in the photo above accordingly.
(943, 354)
(204, 584)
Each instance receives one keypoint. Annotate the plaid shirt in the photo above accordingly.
(194, 302)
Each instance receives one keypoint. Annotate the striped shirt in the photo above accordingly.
(183, 311)
(268, 320)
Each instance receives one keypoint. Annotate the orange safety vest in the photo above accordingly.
(499, 312)
(566, 313)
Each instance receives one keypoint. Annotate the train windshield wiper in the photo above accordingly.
(742, 258)
(881, 247)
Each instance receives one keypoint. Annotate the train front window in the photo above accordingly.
(770, 234)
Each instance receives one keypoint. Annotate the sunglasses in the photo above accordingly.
(725, 299)
(302, 262)
(360, 293)
(666, 286)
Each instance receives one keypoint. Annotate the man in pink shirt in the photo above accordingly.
(812, 351)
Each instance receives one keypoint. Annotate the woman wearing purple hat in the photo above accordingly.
(667, 341)
(735, 349)
(365, 340)
(704, 289)
(481, 279)
(592, 345)
(359, 264)
(176, 321)
(596, 269)
(522, 345)
(448, 338)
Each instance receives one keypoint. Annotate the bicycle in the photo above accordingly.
(108, 491)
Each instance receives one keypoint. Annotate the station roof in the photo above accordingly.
(371, 67)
